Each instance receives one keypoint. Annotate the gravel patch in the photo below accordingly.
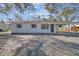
(48, 45)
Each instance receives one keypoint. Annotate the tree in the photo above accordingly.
(61, 11)
(53, 9)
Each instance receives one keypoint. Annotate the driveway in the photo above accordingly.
(42, 45)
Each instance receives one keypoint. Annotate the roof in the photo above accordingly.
(49, 22)
(76, 25)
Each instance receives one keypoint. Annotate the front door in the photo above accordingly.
(52, 27)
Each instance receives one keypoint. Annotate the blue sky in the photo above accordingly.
(39, 11)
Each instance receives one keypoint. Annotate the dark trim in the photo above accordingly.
(39, 33)
(59, 34)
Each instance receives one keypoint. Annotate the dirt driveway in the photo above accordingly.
(41, 45)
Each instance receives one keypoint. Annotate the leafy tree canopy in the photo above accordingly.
(66, 11)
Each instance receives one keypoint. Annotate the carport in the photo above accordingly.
(68, 24)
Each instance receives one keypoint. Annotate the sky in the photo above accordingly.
(28, 14)
(39, 11)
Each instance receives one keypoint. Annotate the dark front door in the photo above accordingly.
(52, 27)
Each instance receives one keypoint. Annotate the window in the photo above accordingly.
(33, 25)
(19, 25)
(44, 26)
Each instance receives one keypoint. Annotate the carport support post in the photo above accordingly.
(73, 29)
(62, 27)
(69, 28)
(55, 28)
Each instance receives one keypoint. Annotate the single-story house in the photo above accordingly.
(36, 26)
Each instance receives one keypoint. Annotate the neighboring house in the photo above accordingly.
(76, 28)
(36, 26)
(3, 26)
(71, 28)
